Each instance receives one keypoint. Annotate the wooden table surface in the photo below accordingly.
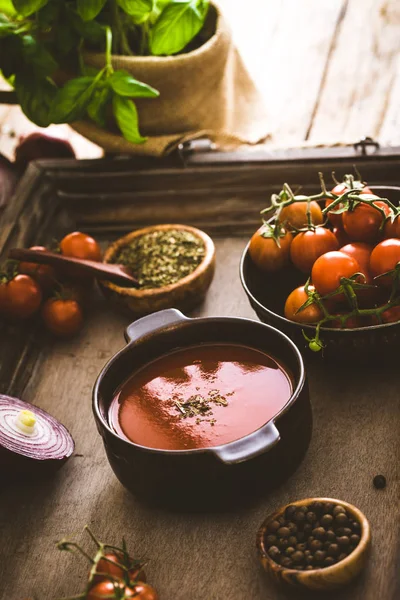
(196, 557)
(328, 70)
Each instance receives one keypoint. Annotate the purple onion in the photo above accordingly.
(40, 452)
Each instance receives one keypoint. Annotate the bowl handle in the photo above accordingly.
(252, 445)
(150, 323)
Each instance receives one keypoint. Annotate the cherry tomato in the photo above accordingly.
(265, 252)
(62, 317)
(328, 270)
(362, 224)
(43, 274)
(296, 299)
(23, 297)
(105, 567)
(295, 215)
(362, 253)
(338, 190)
(353, 322)
(384, 257)
(80, 245)
(308, 246)
(107, 589)
(341, 236)
(391, 315)
(392, 230)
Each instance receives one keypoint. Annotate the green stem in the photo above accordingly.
(109, 40)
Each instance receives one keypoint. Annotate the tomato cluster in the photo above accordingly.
(113, 574)
(347, 241)
(29, 288)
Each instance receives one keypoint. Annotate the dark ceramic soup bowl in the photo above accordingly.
(223, 474)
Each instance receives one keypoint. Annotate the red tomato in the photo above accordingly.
(329, 268)
(265, 252)
(391, 315)
(362, 253)
(80, 245)
(308, 246)
(353, 322)
(105, 567)
(296, 299)
(362, 224)
(392, 230)
(23, 297)
(295, 215)
(62, 317)
(43, 274)
(107, 589)
(339, 190)
(384, 257)
(341, 236)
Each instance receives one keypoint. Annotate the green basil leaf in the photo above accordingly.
(89, 9)
(97, 107)
(71, 101)
(124, 84)
(28, 7)
(126, 115)
(139, 10)
(6, 28)
(35, 97)
(177, 25)
(36, 57)
(7, 7)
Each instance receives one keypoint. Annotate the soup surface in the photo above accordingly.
(200, 397)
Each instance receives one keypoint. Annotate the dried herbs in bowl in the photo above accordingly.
(174, 265)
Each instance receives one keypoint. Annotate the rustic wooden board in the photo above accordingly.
(196, 557)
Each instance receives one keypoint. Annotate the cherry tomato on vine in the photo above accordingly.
(363, 223)
(80, 245)
(339, 190)
(109, 565)
(265, 252)
(328, 270)
(392, 230)
(309, 245)
(23, 297)
(64, 318)
(391, 315)
(295, 215)
(384, 258)
(362, 253)
(107, 589)
(353, 322)
(341, 236)
(296, 299)
(44, 274)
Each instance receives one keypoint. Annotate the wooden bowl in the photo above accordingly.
(184, 294)
(326, 578)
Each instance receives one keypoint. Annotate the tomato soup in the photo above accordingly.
(200, 397)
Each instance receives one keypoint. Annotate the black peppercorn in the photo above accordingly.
(311, 517)
(292, 527)
(319, 533)
(319, 556)
(299, 516)
(356, 527)
(283, 532)
(274, 552)
(343, 541)
(301, 536)
(328, 507)
(286, 562)
(330, 535)
(292, 540)
(289, 550)
(343, 531)
(316, 507)
(273, 526)
(309, 560)
(328, 543)
(326, 520)
(303, 509)
(309, 568)
(283, 544)
(281, 521)
(315, 545)
(342, 556)
(341, 520)
(379, 482)
(298, 556)
(329, 561)
(302, 547)
(339, 509)
(354, 539)
(271, 540)
(307, 552)
(333, 550)
(289, 512)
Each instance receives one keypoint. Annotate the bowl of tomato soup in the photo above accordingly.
(200, 410)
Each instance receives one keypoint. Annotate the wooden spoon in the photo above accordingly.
(118, 274)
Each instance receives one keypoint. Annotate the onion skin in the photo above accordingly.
(38, 146)
(21, 459)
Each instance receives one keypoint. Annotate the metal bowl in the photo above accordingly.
(267, 295)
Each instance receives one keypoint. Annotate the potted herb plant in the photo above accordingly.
(131, 75)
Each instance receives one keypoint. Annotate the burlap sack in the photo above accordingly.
(206, 92)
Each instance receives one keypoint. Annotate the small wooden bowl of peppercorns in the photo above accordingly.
(316, 543)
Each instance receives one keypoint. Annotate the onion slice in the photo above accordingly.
(42, 447)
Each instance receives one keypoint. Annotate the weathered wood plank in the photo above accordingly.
(360, 75)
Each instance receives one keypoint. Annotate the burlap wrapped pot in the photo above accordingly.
(206, 92)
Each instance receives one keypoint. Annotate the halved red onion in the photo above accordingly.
(43, 447)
